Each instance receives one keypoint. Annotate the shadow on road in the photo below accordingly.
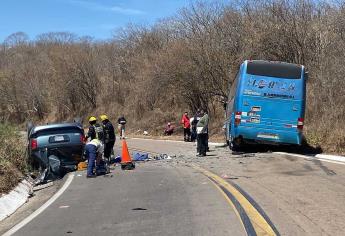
(304, 149)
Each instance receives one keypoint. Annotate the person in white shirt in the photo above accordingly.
(93, 150)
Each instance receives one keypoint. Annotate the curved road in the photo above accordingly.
(222, 194)
(155, 199)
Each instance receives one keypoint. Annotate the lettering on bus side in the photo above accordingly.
(251, 92)
(292, 87)
(278, 95)
(271, 84)
(251, 82)
(262, 84)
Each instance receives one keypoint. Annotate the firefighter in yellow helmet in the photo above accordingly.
(95, 130)
(109, 136)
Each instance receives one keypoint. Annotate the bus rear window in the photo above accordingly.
(274, 69)
(54, 131)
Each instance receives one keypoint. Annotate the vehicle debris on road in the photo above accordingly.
(42, 186)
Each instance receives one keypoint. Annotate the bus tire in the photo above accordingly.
(235, 144)
(234, 147)
(227, 142)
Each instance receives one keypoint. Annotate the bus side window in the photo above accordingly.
(234, 87)
(231, 97)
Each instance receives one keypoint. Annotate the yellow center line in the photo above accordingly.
(261, 226)
(230, 203)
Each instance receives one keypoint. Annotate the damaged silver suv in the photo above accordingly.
(55, 149)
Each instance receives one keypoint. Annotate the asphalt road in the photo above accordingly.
(221, 194)
(299, 196)
(155, 199)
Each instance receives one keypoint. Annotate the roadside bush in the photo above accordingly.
(13, 164)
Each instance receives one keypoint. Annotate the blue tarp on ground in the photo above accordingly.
(137, 156)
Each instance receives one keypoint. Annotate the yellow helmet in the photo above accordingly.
(92, 118)
(104, 117)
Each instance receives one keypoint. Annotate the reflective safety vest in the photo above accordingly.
(99, 132)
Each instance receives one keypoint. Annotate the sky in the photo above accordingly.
(96, 18)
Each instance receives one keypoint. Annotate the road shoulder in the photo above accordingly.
(33, 203)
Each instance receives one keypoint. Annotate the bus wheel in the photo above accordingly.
(227, 142)
(235, 144)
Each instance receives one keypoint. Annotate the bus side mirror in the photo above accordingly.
(306, 75)
(224, 105)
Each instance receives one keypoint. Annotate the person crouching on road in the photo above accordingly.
(202, 134)
(93, 151)
(169, 129)
(186, 127)
(109, 136)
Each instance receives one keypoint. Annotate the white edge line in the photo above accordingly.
(173, 141)
(42, 208)
(161, 140)
(312, 157)
(216, 144)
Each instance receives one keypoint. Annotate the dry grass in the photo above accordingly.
(13, 162)
(331, 138)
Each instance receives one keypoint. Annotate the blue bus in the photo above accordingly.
(266, 104)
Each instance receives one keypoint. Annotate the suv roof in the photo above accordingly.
(54, 126)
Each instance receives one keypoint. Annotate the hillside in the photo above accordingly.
(153, 74)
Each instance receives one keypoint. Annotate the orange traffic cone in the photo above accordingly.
(126, 160)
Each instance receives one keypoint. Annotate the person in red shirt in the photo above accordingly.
(186, 127)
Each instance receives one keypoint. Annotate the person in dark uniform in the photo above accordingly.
(95, 130)
(109, 136)
(91, 134)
